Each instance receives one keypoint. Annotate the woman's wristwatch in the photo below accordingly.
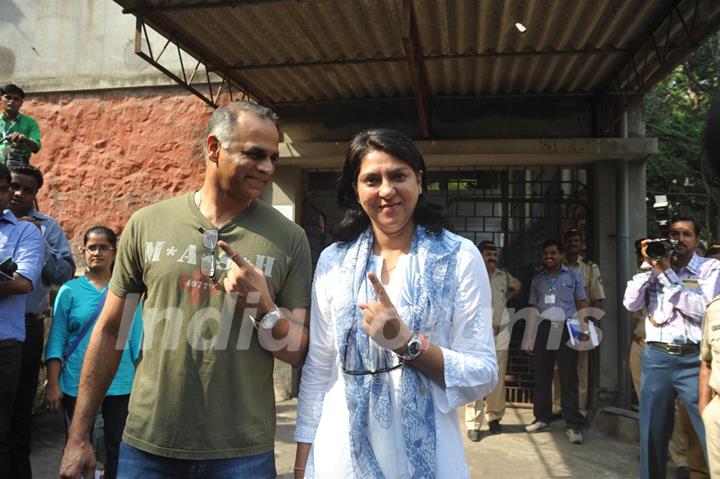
(267, 320)
(417, 344)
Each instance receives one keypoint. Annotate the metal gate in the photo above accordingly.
(517, 207)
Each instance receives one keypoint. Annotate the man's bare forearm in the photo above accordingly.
(101, 362)
(18, 285)
(514, 293)
(295, 358)
(295, 329)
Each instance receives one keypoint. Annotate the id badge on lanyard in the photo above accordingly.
(550, 296)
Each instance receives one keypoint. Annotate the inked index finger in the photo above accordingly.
(379, 289)
(232, 254)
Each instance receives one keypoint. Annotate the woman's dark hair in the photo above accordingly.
(353, 220)
(101, 230)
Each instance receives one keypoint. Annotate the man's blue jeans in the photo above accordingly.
(665, 376)
(135, 463)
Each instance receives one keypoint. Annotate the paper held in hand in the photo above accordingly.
(576, 328)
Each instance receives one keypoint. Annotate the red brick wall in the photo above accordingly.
(106, 154)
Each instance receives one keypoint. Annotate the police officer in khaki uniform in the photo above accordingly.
(595, 293)
(709, 384)
(504, 288)
(709, 375)
(637, 346)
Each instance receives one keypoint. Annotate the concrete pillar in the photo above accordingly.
(285, 195)
(285, 191)
(606, 208)
(604, 214)
(636, 122)
(637, 198)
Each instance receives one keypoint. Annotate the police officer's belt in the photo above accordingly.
(676, 349)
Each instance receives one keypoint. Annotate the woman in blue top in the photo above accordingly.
(76, 304)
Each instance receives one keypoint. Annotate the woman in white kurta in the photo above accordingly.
(400, 328)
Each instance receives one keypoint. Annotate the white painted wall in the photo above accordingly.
(70, 45)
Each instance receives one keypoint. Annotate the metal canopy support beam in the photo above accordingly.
(210, 63)
(436, 56)
(198, 5)
(658, 54)
(416, 67)
(205, 94)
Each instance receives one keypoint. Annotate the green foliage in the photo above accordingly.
(675, 113)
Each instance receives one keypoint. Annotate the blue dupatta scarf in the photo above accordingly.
(433, 292)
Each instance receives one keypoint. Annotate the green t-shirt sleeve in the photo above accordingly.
(295, 291)
(34, 132)
(127, 273)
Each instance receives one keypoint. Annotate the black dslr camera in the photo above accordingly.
(659, 248)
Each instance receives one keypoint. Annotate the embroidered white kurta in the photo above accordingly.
(466, 339)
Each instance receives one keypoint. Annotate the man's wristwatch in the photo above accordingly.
(415, 347)
(267, 320)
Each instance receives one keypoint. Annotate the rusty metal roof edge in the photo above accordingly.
(173, 32)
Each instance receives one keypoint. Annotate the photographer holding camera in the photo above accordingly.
(20, 133)
(676, 284)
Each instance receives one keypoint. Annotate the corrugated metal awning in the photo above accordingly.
(297, 51)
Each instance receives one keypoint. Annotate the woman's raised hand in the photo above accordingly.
(382, 321)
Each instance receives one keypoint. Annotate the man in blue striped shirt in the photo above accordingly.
(21, 242)
(676, 291)
(556, 295)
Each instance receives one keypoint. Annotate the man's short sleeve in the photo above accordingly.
(295, 291)
(579, 287)
(705, 351)
(30, 252)
(595, 289)
(127, 275)
(713, 309)
(34, 132)
(513, 282)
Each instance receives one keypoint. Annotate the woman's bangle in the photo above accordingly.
(298, 469)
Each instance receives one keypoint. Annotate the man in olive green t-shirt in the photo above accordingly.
(214, 267)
